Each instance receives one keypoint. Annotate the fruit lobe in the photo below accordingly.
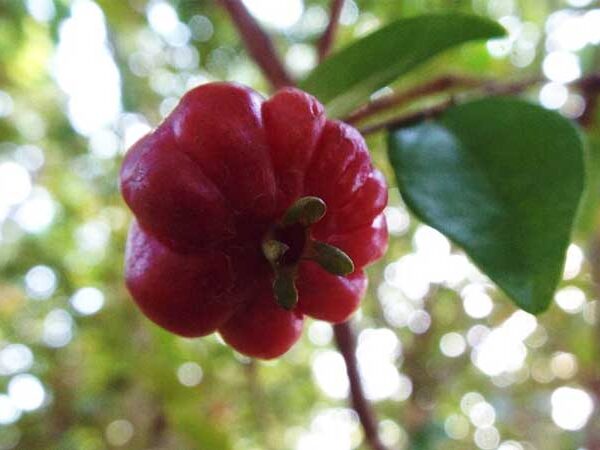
(211, 185)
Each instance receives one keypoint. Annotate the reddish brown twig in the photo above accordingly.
(259, 44)
(437, 86)
(328, 37)
(589, 86)
(399, 99)
(346, 343)
(407, 119)
(593, 378)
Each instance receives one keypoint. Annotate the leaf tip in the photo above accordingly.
(535, 308)
(498, 30)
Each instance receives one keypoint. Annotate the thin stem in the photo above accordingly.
(439, 85)
(258, 43)
(407, 119)
(346, 343)
(398, 99)
(328, 37)
(593, 377)
(589, 87)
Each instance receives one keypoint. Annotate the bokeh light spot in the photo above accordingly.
(571, 408)
(40, 282)
(189, 374)
(15, 358)
(87, 301)
(26, 392)
(119, 432)
(280, 14)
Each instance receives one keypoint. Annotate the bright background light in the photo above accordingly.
(276, 13)
(571, 408)
(26, 392)
(435, 335)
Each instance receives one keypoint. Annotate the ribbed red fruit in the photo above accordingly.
(212, 183)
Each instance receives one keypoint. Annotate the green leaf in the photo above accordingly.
(502, 178)
(348, 77)
(588, 221)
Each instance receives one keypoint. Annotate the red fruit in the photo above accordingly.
(247, 215)
(329, 297)
(261, 328)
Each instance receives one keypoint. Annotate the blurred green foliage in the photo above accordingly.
(111, 379)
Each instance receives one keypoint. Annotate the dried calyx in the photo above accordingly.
(289, 242)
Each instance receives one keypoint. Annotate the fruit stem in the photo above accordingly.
(346, 343)
(328, 37)
(259, 44)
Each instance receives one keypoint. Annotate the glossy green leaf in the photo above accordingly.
(502, 178)
(345, 79)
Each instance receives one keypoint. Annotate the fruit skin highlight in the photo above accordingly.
(212, 184)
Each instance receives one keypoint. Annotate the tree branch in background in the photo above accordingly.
(589, 87)
(328, 37)
(408, 119)
(593, 378)
(346, 343)
(396, 100)
(438, 86)
(258, 43)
